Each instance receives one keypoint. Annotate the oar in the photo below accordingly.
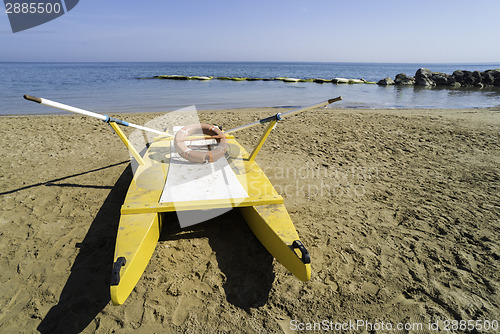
(280, 116)
(104, 118)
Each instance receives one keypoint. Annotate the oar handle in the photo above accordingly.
(32, 98)
(330, 101)
(65, 107)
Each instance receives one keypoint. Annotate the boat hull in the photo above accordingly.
(135, 242)
(274, 228)
(138, 234)
(141, 219)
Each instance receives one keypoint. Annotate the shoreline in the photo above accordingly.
(258, 109)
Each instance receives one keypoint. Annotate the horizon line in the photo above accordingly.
(250, 61)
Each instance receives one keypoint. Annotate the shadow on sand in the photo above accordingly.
(86, 292)
(53, 182)
(245, 262)
(247, 265)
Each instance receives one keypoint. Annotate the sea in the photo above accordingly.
(117, 88)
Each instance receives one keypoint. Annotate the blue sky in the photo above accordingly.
(274, 30)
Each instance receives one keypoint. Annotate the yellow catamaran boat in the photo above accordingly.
(169, 177)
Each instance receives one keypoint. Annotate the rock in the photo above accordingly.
(425, 82)
(477, 77)
(473, 79)
(495, 73)
(320, 80)
(468, 79)
(177, 77)
(171, 77)
(441, 79)
(403, 79)
(386, 82)
(340, 80)
(497, 81)
(487, 78)
(458, 76)
(423, 73)
(452, 82)
(423, 77)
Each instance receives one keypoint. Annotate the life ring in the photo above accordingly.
(195, 156)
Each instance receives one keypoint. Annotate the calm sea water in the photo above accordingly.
(114, 87)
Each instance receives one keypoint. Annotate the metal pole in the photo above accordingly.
(104, 118)
(280, 116)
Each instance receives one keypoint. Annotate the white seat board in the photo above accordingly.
(187, 181)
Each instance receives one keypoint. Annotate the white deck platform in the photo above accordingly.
(188, 181)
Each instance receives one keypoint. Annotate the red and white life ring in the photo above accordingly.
(200, 156)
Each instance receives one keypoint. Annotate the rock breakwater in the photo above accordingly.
(425, 77)
(284, 79)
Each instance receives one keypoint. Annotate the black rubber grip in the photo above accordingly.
(306, 258)
(32, 98)
(115, 273)
(270, 118)
(335, 99)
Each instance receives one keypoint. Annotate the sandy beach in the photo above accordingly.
(400, 210)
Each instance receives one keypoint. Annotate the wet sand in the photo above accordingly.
(400, 210)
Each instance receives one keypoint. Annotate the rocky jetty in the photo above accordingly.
(427, 78)
(423, 77)
(284, 79)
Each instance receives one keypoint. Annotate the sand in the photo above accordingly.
(400, 210)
